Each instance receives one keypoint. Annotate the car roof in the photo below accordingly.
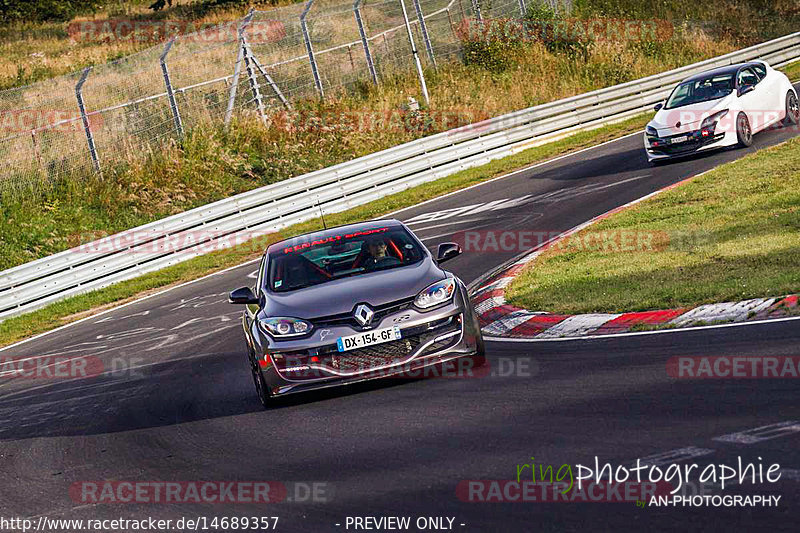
(721, 71)
(346, 229)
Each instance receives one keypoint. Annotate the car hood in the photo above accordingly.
(340, 296)
(666, 120)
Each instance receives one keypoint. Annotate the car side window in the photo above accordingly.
(260, 281)
(747, 78)
(760, 71)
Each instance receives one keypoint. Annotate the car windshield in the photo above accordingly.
(704, 90)
(310, 263)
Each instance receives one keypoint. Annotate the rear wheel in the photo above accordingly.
(743, 131)
(792, 109)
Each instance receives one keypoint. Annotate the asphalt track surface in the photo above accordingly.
(182, 406)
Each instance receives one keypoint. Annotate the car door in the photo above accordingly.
(750, 98)
(770, 87)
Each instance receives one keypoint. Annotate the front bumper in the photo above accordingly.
(427, 338)
(662, 148)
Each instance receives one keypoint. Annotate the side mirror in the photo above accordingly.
(243, 295)
(658, 106)
(746, 89)
(447, 251)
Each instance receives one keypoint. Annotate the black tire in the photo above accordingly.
(744, 133)
(262, 390)
(792, 109)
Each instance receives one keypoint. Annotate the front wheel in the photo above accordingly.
(792, 109)
(743, 131)
(262, 390)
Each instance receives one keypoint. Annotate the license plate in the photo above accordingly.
(681, 139)
(368, 338)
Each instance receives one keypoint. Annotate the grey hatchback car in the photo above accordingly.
(354, 303)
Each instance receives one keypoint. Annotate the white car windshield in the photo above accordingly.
(703, 90)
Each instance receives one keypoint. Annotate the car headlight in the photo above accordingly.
(285, 326)
(435, 294)
(713, 119)
(651, 131)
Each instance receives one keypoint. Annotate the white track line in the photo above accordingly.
(635, 333)
(143, 298)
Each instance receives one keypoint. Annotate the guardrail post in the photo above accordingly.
(424, 29)
(415, 54)
(176, 116)
(86, 128)
(271, 82)
(309, 49)
(364, 42)
(251, 75)
(237, 68)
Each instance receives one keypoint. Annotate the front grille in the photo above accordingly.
(694, 143)
(372, 356)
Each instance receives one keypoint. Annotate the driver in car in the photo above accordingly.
(377, 257)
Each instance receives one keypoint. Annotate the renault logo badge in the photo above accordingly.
(363, 314)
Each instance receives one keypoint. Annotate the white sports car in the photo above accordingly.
(718, 108)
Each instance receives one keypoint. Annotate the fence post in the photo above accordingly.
(424, 29)
(86, 128)
(476, 9)
(415, 54)
(364, 41)
(271, 82)
(176, 116)
(251, 75)
(307, 39)
(237, 69)
(522, 7)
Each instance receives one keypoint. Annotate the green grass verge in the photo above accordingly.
(71, 309)
(731, 234)
(792, 70)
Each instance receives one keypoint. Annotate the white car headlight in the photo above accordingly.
(435, 294)
(285, 326)
(713, 119)
(651, 131)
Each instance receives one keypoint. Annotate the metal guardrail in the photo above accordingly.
(340, 187)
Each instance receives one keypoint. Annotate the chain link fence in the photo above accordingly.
(109, 114)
